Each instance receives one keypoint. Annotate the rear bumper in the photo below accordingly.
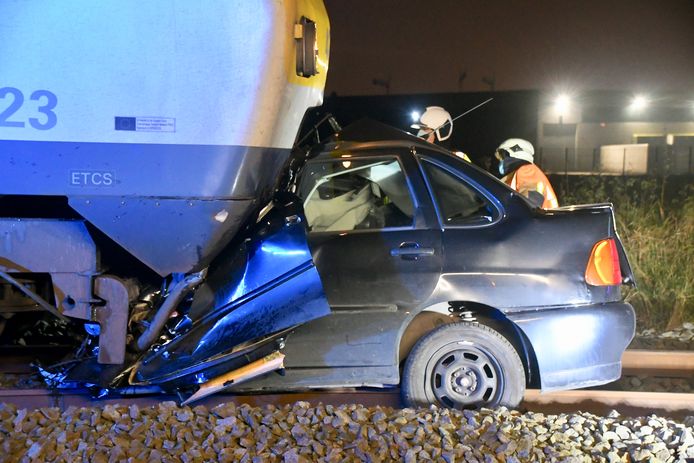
(578, 346)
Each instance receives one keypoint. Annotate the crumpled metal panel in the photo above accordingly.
(169, 235)
(264, 282)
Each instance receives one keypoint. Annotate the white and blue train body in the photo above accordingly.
(160, 125)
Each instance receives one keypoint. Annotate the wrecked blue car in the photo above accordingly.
(157, 212)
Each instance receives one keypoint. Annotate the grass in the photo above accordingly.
(655, 220)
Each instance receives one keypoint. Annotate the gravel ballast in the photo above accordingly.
(681, 338)
(302, 432)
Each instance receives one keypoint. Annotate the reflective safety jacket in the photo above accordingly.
(528, 178)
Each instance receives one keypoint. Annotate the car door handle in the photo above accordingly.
(411, 251)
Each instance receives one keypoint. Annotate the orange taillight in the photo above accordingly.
(603, 265)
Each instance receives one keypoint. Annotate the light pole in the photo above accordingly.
(491, 81)
(562, 104)
(461, 77)
(637, 107)
(385, 83)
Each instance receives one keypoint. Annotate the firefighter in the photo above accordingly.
(515, 157)
(433, 124)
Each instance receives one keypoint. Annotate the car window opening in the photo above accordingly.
(458, 203)
(356, 195)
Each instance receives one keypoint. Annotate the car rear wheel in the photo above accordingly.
(463, 365)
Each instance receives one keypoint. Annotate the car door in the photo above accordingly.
(370, 233)
(480, 262)
(378, 257)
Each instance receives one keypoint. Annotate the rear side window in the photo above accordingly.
(345, 194)
(458, 202)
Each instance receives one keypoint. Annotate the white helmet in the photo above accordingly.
(518, 148)
(434, 119)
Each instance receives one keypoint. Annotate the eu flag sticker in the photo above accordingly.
(146, 124)
(126, 123)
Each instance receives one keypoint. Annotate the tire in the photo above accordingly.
(463, 365)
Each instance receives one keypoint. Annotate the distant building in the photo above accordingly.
(617, 132)
(598, 131)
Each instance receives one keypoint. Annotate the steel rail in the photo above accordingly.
(633, 360)
(601, 402)
(658, 363)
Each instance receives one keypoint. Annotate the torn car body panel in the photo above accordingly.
(263, 283)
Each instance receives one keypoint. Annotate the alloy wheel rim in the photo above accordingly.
(465, 375)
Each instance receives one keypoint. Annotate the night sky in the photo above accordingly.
(553, 45)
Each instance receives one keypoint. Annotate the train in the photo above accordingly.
(137, 143)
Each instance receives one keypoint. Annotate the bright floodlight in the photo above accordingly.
(639, 103)
(415, 116)
(562, 104)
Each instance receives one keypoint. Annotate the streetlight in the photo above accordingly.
(562, 104)
(415, 116)
(385, 83)
(639, 103)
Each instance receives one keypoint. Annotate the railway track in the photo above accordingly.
(658, 363)
(599, 402)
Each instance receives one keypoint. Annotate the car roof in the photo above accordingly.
(369, 137)
(366, 134)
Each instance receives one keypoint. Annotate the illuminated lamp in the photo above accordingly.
(639, 103)
(603, 266)
(562, 104)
